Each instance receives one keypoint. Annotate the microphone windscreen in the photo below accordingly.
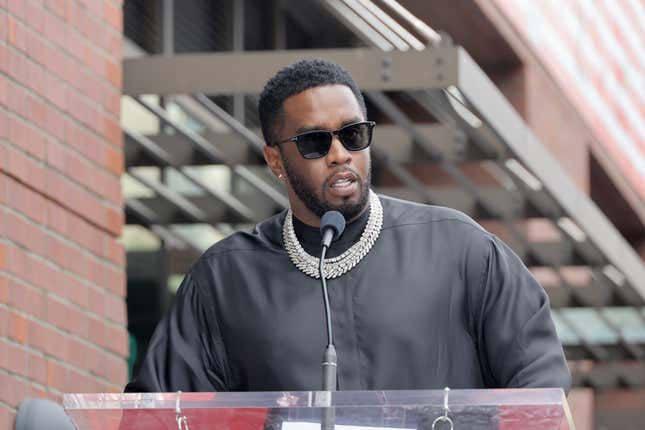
(334, 220)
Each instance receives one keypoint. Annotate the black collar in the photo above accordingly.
(310, 237)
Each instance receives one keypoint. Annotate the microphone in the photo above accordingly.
(332, 225)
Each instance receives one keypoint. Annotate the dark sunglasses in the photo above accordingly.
(316, 143)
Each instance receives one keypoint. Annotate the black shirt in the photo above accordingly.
(437, 302)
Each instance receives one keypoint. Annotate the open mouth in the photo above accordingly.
(343, 179)
(343, 183)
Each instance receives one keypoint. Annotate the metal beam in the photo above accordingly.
(247, 72)
(610, 375)
(498, 113)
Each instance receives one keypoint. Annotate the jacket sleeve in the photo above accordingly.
(186, 351)
(516, 338)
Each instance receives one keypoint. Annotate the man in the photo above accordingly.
(421, 296)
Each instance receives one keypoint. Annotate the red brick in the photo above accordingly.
(113, 220)
(88, 237)
(110, 99)
(7, 417)
(27, 299)
(114, 368)
(76, 291)
(77, 382)
(4, 321)
(16, 98)
(4, 179)
(93, 60)
(76, 45)
(114, 251)
(18, 327)
(58, 7)
(57, 312)
(115, 309)
(30, 269)
(18, 66)
(114, 45)
(57, 217)
(17, 8)
(35, 111)
(54, 122)
(37, 368)
(17, 34)
(12, 389)
(3, 25)
(3, 256)
(113, 16)
(114, 160)
(113, 73)
(99, 332)
(89, 85)
(55, 90)
(3, 98)
(4, 353)
(114, 280)
(59, 63)
(96, 301)
(94, 360)
(17, 132)
(36, 392)
(54, 396)
(25, 168)
(55, 155)
(75, 17)
(36, 78)
(56, 375)
(54, 29)
(36, 48)
(79, 200)
(48, 340)
(35, 16)
(80, 263)
(16, 359)
(118, 340)
(4, 289)
(62, 254)
(24, 200)
(67, 317)
(77, 353)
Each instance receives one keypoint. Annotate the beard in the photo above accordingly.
(305, 191)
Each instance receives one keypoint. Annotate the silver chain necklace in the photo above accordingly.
(337, 266)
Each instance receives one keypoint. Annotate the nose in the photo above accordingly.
(338, 154)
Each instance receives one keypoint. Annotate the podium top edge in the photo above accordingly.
(308, 399)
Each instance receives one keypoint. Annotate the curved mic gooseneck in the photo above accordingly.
(332, 225)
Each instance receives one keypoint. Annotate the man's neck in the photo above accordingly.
(309, 236)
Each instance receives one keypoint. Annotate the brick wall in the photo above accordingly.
(62, 282)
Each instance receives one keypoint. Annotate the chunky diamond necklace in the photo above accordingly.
(337, 266)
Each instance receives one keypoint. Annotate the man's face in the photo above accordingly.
(339, 180)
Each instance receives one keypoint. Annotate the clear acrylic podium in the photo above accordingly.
(509, 409)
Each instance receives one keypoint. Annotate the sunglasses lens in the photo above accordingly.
(356, 137)
(315, 144)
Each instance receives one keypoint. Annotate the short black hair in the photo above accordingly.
(294, 79)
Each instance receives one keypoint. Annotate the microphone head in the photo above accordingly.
(332, 220)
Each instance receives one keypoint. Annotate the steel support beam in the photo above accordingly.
(247, 72)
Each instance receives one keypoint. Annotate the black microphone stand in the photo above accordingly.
(332, 225)
(330, 362)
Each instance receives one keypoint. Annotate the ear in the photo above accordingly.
(274, 160)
